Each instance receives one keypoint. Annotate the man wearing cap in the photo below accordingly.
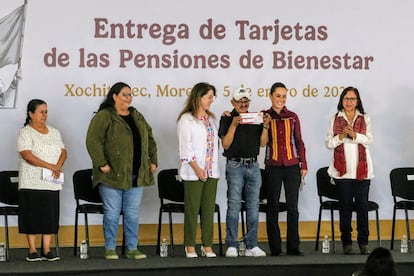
(241, 143)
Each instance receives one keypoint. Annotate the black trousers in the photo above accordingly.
(352, 193)
(290, 178)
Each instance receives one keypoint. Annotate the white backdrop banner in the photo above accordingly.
(73, 51)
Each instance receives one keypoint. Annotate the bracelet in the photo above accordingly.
(265, 127)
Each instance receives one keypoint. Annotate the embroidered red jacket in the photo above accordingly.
(285, 146)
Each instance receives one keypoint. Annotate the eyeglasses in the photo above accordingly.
(350, 99)
(243, 102)
(127, 95)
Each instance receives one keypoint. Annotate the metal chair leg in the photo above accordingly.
(378, 228)
(318, 229)
(243, 223)
(171, 233)
(6, 230)
(393, 228)
(407, 223)
(159, 232)
(333, 231)
(219, 232)
(57, 251)
(87, 230)
(75, 240)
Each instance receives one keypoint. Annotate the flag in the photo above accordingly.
(11, 33)
(7, 93)
(11, 27)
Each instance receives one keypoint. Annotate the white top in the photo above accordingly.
(350, 148)
(48, 147)
(192, 144)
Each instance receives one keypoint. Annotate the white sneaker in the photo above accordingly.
(231, 252)
(255, 252)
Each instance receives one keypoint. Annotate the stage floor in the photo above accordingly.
(312, 263)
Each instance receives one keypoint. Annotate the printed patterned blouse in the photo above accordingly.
(210, 146)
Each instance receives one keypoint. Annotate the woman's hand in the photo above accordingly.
(56, 174)
(348, 131)
(201, 174)
(303, 173)
(153, 168)
(56, 170)
(105, 169)
(266, 120)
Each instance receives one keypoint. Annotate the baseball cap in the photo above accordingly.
(241, 92)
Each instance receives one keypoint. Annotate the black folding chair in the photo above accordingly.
(171, 194)
(9, 195)
(402, 188)
(88, 201)
(328, 200)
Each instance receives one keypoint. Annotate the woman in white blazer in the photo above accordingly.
(198, 150)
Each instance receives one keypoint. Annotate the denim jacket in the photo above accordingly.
(109, 141)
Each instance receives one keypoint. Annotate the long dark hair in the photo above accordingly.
(380, 263)
(193, 101)
(109, 100)
(31, 107)
(359, 104)
(276, 85)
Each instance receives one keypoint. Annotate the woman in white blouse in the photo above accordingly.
(349, 136)
(198, 149)
(42, 153)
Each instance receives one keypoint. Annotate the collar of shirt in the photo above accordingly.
(234, 113)
(342, 114)
(273, 113)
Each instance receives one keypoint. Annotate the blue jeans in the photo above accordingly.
(117, 200)
(353, 192)
(248, 178)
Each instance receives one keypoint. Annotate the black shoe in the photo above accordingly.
(50, 257)
(33, 257)
(295, 252)
(364, 250)
(348, 249)
(276, 253)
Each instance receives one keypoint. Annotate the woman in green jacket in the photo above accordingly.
(124, 157)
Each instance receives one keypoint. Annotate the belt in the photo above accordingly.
(244, 161)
